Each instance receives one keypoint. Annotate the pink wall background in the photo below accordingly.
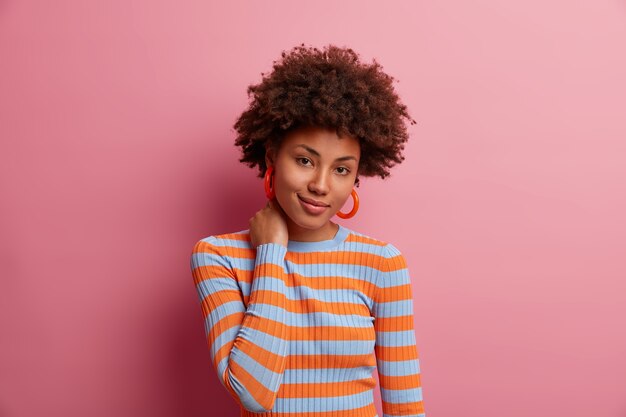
(116, 156)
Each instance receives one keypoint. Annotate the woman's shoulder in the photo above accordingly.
(374, 244)
(225, 241)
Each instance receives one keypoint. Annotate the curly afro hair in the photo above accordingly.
(329, 88)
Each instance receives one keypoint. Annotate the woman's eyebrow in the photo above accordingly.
(316, 153)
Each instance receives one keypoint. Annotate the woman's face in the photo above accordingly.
(314, 172)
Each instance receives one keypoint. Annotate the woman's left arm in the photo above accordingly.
(396, 350)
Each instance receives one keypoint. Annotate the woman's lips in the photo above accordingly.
(312, 206)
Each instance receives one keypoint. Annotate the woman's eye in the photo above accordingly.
(343, 170)
(304, 161)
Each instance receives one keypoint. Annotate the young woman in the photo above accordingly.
(300, 310)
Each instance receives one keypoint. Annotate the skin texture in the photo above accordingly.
(312, 163)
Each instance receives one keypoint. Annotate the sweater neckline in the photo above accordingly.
(298, 246)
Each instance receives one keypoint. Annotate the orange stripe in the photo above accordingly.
(268, 297)
(400, 382)
(204, 247)
(326, 389)
(336, 257)
(394, 324)
(403, 409)
(330, 333)
(329, 361)
(243, 253)
(231, 251)
(364, 239)
(394, 263)
(348, 258)
(270, 270)
(267, 326)
(331, 282)
(397, 293)
(205, 272)
(396, 353)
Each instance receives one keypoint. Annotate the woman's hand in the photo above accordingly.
(269, 225)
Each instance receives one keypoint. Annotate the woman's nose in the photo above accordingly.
(319, 183)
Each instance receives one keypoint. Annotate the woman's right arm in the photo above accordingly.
(248, 345)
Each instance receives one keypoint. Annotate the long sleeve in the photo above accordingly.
(248, 344)
(396, 350)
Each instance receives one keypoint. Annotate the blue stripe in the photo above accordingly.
(401, 396)
(319, 319)
(324, 404)
(393, 278)
(270, 253)
(331, 347)
(221, 367)
(244, 264)
(302, 292)
(357, 247)
(398, 368)
(362, 247)
(343, 270)
(323, 375)
(301, 347)
(395, 309)
(221, 242)
(209, 259)
(392, 339)
(268, 283)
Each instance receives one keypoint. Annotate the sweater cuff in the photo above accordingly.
(270, 253)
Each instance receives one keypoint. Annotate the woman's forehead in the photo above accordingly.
(325, 142)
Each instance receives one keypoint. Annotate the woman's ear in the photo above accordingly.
(270, 157)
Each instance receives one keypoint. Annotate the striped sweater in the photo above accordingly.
(298, 331)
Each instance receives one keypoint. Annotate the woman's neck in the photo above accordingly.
(301, 234)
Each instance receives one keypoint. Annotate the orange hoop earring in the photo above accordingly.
(355, 206)
(269, 184)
